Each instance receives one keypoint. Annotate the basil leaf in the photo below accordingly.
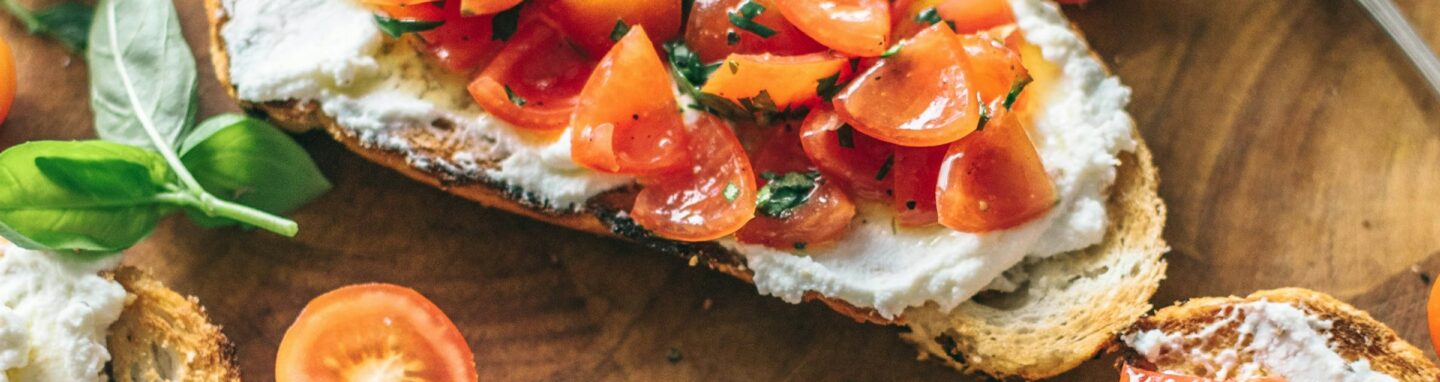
(248, 161)
(141, 73)
(784, 193)
(396, 27)
(44, 208)
(67, 22)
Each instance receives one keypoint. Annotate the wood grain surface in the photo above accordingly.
(1295, 144)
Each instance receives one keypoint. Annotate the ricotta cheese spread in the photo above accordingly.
(54, 316)
(1279, 340)
(331, 52)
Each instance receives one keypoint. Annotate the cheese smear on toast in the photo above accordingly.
(55, 314)
(331, 52)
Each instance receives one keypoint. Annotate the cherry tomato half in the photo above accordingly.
(627, 120)
(707, 200)
(485, 7)
(823, 218)
(854, 27)
(995, 67)
(916, 178)
(861, 163)
(918, 97)
(461, 44)
(993, 179)
(1432, 315)
(787, 79)
(713, 36)
(591, 22)
(971, 16)
(7, 79)
(373, 332)
(535, 81)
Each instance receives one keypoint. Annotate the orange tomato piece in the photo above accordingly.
(1432, 314)
(971, 16)
(713, 196)
(916, 181)
(373, 332)
(854, 27)
(7, 79)
(590, 22)
(861, 163)
(485, 7)
(627, 120)
(535, 81)
(461, 44)
(787, 79)
(995, 67)
(822, 218)
(427, 11)
(712, 35)
(918, 97)
(993, 179)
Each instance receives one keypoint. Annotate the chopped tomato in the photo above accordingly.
(389, 3)
(712, 197)
(920, 96)
(373, 332)
(485, 7)
(535, 81)
(786, 79)
(1134, 374)
(905, 17)
(993, 179)
(420, 11)
(971, 16)
(995, 66)
(916, 179)
(854, 27)
(861, 163)
(462, 44)
(822, 218)
(712, 34)
(7, 79)
(1432, 315)
(627, 120)
(591, 22)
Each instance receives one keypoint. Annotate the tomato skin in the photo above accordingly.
(470, 8)
(461, 44)
(627, 121)
(916, 179)
(426, 11)
(539, 66)
(995, 66)
(787, 79)
(367, 331)
(857, 167)
(709, 28)
(689, 203)
(972, 16)
(854, 27)
(823, 218)
(1432, 314)
(590, 22)
(994, 179)
(8, 82)
(918, 97)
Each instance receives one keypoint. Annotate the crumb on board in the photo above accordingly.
(707, 304)
(673, 356)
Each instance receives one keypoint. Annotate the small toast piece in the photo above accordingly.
(1353, 334)
(164, 336)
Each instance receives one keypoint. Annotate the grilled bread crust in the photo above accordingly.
(163, 336)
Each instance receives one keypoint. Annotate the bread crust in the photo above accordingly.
(1135, 235)
(1354, 334)
(164, 336)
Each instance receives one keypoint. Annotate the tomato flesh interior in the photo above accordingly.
(785, 79)
(712, 34)
(823, 218)
(855, 27)
(993, 179)
(918, 97)
(535, 81)
(712, 197)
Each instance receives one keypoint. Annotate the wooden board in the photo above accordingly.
(1296, 148)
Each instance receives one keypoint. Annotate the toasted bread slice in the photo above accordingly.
(1070, 309)
(163, 336)
(1353, 334)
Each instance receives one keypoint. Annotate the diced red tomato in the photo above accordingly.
(918, 97)
(1135, 374)
(691, 203)
(971, 16)
(861, 163)
(627, 120)
(7, 79)
(590, 22)
(995, 67)
(916, 180)
(821, 219)
(485, 7)
(461, 44)
(710, 32)
(993, 179)
(787, 79)
(1432, 314)
(535, 81)
(854, 27)
(418, 11)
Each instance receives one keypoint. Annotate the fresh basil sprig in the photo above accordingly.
(67, 22)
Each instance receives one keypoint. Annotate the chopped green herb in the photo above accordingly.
(928, 17)
(828, 87)
(620, 30)
(1015, 90)
(846, 135)
(984, 116)
(745, 19)
(395, 28)
(800, 245)
(894, 49)
(782, 194)
(732, 38)
(951, 24)
(505, 23)
(67, 22)
(514, 98)
(731, 192)
(689, 72)
(855, 64)
(910, 204)
(885, 167)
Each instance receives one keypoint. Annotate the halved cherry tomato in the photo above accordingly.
(422, 11)
(822, 218)
(461, 44)
(373, 332)
(1432, 315)
(993, 179)
(535, 81)
(711, 197)
(971, 16)
(861, 163)
(994, 66)
(787, 79)
(713, 36)
(905, 17)
(854, 27)
(485, 7)
(7, 79)
(916, 180)
(921, 96)
(1134, 374)
(627, 120)
(590, 22)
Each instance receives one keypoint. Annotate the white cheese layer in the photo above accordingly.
(1279, 339)
(54, 316)
(330, 52)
